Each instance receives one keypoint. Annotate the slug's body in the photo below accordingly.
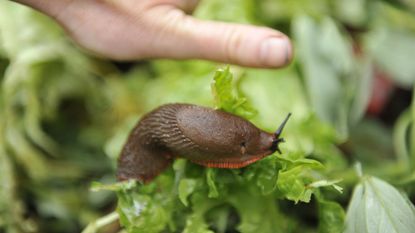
(205, 136)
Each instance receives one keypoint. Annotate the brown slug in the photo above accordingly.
(211, 138)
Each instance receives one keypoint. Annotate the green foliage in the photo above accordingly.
(64, 117)
(226, 99)
(376, 206)
(141, 213)
(292, 177)
(331, 216)
(186, 187)
(332, 84)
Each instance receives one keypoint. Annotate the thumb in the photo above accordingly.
(225, 42)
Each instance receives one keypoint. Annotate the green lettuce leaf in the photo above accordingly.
(257, 213)
(227, 98)
(141, 213)
(195, 221)
(186, 187)
(331, 216)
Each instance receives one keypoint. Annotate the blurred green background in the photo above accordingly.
(64, 116)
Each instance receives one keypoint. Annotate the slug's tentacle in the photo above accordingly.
(281, 127)
(277, 140)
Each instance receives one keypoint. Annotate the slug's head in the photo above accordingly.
(277, 136)
(265, 143)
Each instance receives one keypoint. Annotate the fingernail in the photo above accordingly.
(275, 52)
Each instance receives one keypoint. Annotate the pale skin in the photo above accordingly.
(142, 29)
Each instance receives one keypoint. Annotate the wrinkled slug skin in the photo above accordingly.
(209, 137)
(144, 155)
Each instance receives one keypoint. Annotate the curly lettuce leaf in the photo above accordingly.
(186, 187)
(295, 177)
(229, 99)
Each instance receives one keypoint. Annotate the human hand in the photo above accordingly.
(138, 29)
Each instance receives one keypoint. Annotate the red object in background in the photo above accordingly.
(381, 92)
(382, 87)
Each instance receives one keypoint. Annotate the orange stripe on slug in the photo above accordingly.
(228, 164)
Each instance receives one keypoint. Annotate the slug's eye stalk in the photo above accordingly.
(277, 140)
